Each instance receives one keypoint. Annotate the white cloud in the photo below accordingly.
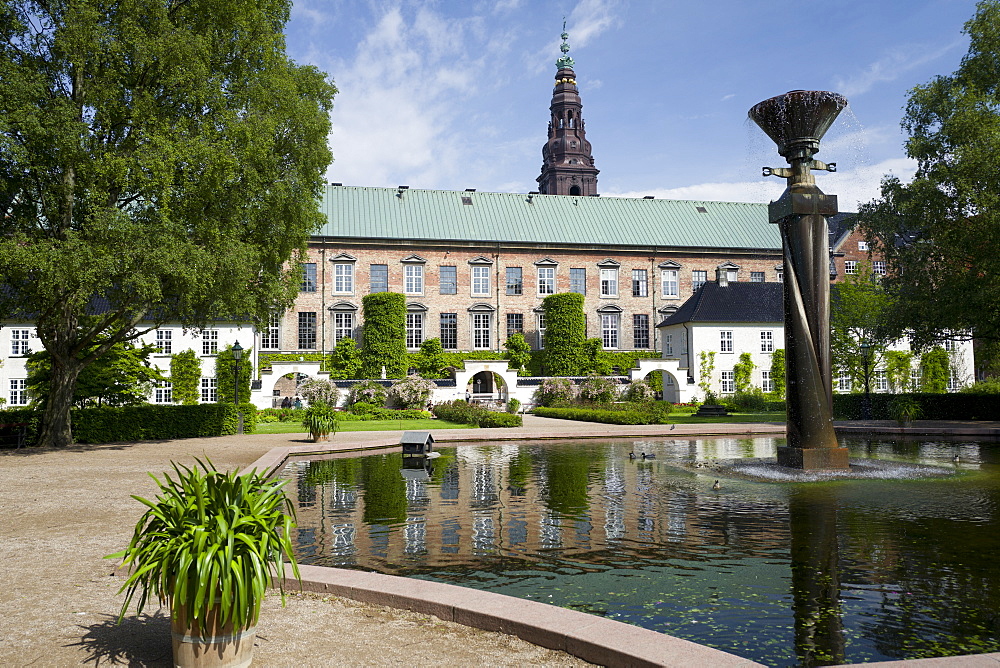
(888, 68)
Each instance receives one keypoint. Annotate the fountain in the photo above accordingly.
(796, 121)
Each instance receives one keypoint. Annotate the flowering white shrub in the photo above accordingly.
(554, 389)
(317, 391)
(639, 392)
(598, 390)
(369, 392)
(412, 391)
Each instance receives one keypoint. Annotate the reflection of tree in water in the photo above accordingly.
(939, 583)
(568, 475)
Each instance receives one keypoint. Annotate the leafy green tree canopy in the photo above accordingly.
(863, 324)
(345, 360)
(430, 360)
(940, 232)
(159, 159)
(518, 352)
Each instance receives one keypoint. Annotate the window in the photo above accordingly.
(916, 374)
(541, 330)
(413, 283)
(449, 331)
(725, 341)
(578, 280)
(668, 279)
(209, 390)
(163, 392)
(546, 280)
(850, 267)
(881, 381)
(210, 342)
(449, 280)
(343, 277)
(378, 276)
(414, 330)
(640, 330)
(19, 342)
(515, 281)
(163, 341)
(640, 283)
(878, 267)
(862, 245)
(949, 345)
(765, 381)
(844, 382)
(609, 330)
(308, 283)
(767, 341)
(780, 274)
(307, 331)
(698, 278)
(515, 324)
(18, 392)
(343, 325)
(728, 382)
(668, 344)
(481, 330)
(731, 275)
(269, 338)
(609, 282)
(481, 280)
(954, 383)
(756, 277)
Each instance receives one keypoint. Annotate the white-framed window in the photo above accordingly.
(414, 330)
(164, 341)
(413, 279)
(756, 277)
(546, 280)
(878, 267)
(954, 384)
(609, 282)
(270, 337)
(19, 342)
(862, 245)
(640, 331)
(668, 344)
(209, 391)
(640, 283)
(18, 395)
(609, 330)
(765, 381)
(950, 345)
(780, 274)
(343, 325)
(850, 267)
(163, 393)
(210, 342)
(766, 341)
(481, 326)
(343, 277)
(844, 382)
(916, 375)
(668, 282)
(698, 278)
(726, 341)
(881, 380)
(540, 329)
(481, 280)
(728, 382)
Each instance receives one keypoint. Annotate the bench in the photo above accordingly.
(13, 434)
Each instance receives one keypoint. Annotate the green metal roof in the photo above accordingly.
(440, 215)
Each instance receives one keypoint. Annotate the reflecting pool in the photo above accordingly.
(782, 573)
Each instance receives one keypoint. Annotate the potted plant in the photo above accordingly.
(321, 420)
(207, 547)
(905, 410)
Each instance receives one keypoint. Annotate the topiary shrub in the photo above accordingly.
(367, 391)
(411, 392)
(552, 390)
(185, 374)
(465, 413)
(598, 390)
(565, 331)
(384, 315)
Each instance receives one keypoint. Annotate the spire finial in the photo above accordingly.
(565, 60)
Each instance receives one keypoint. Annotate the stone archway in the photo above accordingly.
(676, 389)
(284, 377)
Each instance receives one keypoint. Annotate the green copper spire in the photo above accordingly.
(565, 60)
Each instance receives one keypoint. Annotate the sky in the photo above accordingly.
(455, 95)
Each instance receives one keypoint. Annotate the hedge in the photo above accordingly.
(384, 414)
(464, 413)
(147, 422)
(601, 415)
(28, 416)
(957, 406)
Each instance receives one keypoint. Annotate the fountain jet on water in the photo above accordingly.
(796, 121)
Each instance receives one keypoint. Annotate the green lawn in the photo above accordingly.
(373, 425)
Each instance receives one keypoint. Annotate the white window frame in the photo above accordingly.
(668, 344)
(414, 329)
(209, 390)
(546, 280)
(881, 380)
(850, 267)
(482, 326)
(699, 277)
(844, 383)
(18, 392)
(164, 341)
(343, 325)
(727, 383)
(481, 280)
(540, 329)
(609, 281)
(766, 341)
(640, 283)
(343, 278)
(270, 336)
(610, 330)
(19, 342)
(669, 284)
(766, 384)
(210, 342)
(757, 277)
(954, 383)
(862, 245)
(726, 341)
(163, 392)
(413, 279)
(878, 267)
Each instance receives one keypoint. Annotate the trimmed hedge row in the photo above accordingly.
(150, 422)
(957, 406)
(464, 413)
(384, 414)
(602, 415)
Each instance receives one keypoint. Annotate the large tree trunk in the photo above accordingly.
(56, 428)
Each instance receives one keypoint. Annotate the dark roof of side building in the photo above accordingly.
(736, 302)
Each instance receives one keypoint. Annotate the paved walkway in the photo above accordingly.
(61, 511)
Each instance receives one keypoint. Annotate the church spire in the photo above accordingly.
(567, 162)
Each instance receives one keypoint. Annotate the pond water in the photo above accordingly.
(786, 574)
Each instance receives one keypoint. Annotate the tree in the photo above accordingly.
(706, 366)
(225, 375)
(185, 373)
(160, 161)
(430, 360)
(940, 232)
(743, 373)
(862, 324)
(565, 332)
(777, 374)
(518, 352)
(345, 360)
(934, 371)
(384, 343)
(121, 377)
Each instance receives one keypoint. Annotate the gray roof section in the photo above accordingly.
(737, 302)
(440, 215)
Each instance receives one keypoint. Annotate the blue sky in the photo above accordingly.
(455, 95)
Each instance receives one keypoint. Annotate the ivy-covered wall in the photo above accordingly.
(384, 340)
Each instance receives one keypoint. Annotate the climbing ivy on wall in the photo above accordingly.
(934, 369)
(778, 372)
(384, 339)
(565, 331)
(898, 365)
(224, 375)
(743, 372)
(705, 369)
(185, 376)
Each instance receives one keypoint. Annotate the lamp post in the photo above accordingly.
(866, 405)
(237, 356)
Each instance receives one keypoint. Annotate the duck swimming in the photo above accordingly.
(716, 486)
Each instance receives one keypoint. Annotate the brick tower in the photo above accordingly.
(567, 163)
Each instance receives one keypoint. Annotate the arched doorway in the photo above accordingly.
(287, 387)
(487, 387)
